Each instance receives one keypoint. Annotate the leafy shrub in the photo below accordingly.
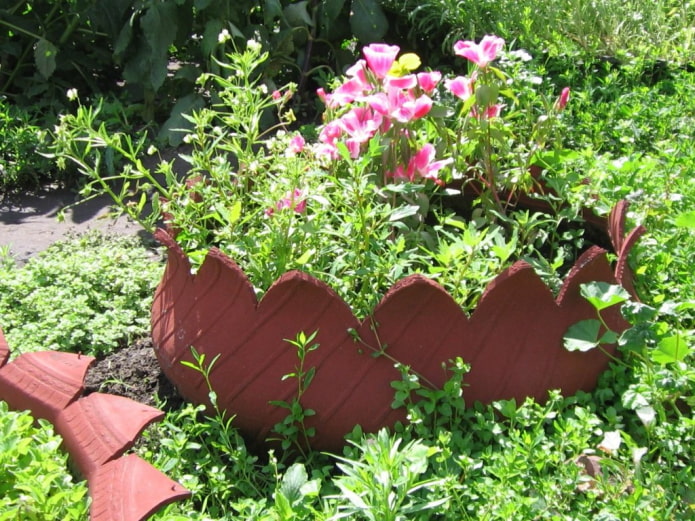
(34, 481)
(21, 167)
(86, 294)
(154, 50)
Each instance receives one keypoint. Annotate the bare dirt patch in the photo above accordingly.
(133, 372)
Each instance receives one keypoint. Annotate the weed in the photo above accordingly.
(293, 430)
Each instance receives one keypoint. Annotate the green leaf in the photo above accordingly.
(367, 21)
(282, 505)
(486, 95)
(234, 212)
(582, 336)
(670, 349)
(686, 220)
(159, 27)
(306, 257)
(507, 408)
(211, 36)
(177, 126)
(309, 377)
(293, 481)
(646, 414)
(297, 15)
(603, 295)
(403, 211)
(609, 337)
(328, 13)
(123, 40)
(272, 10)
(45, 57)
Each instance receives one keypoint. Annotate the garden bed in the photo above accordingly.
(133, 372)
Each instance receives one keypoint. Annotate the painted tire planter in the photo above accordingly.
(513, 339)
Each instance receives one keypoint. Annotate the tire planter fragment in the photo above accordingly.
(513, 340)
(96, 429)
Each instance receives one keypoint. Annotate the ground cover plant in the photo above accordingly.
(88, 294)
(624, 451)
(35, 482)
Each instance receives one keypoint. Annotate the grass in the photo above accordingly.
(632, 137)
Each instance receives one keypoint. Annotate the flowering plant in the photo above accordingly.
(414, 120)
(371, 199)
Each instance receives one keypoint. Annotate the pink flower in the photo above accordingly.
(561, 102)
(294, 200)
(422, 164)
(380, 58)
(461, 87)
(360, 123)
(330, 132)
(420, 106)
(356, 70)
(328, 138)
(277, 95)
(480, 54)
(348, 92)
(296, 145)
(428, 80)
(398, 173)
(493, 111)
(323, 96)
(329, 150)
(400, 105)
(409, 81)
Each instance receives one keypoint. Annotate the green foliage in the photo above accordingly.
(86, 294)
(293, 431)
(21, 167)
(384, 481)
(624, 451)
(633, 139)
(615, 28)
(344, 219)
(208, 459)
(34, 481)
(158, 48)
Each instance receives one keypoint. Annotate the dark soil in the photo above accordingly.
(134, 372)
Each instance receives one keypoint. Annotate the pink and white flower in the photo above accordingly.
(360, 124)
(460, 86)
(296, 145)
(294, 200)
(423, 165)
(493, 111)
(399, 105)
(481, 54)
(380, 58)
(428, 80)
